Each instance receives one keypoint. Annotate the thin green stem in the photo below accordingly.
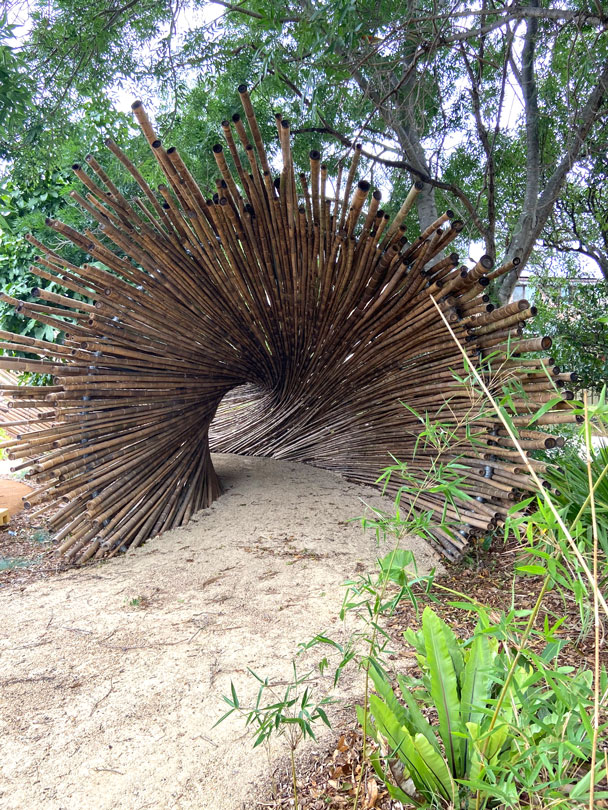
(372, 642)
(471, 599)
(293, 778)
(530, 468)
(510, 674)
(596, 612)
(599, 479)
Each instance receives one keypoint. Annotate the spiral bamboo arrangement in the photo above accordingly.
(295, 318)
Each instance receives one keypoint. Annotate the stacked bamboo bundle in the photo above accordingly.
(303, 311)
(14, 419)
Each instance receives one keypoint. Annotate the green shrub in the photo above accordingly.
(501, 734)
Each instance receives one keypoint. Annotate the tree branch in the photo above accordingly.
(255, 14)
(401, 164)
(546, 201)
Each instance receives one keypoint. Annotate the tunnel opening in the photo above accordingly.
(267, 319)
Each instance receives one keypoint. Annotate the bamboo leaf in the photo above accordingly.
(534, 570)
(544, 409)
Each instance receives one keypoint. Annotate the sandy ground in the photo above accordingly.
(111, 676)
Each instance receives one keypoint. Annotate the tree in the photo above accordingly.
(422, 78)
(27, 199)
(15, 87)
(492, 104)
(579, 223)
(573, 313)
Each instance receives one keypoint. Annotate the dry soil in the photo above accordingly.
(112, 676)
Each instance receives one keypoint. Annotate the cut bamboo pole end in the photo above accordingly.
(269, 316)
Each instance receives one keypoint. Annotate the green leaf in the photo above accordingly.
(435, 769)
(544, 409)
(384, 690)
(402, 746)
(477, 680)
(417, 722)
(444, 690)
(535, 570)
(394, 791)
(464, 605)
(323, 716)
(454, 648)
(581, 790)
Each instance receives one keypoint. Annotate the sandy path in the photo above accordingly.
(109, 703)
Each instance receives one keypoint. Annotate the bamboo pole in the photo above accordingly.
(266, 317)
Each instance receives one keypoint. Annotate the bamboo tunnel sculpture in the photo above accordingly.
(296, 318)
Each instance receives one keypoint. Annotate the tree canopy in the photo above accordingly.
(499, 107)
(574, 313)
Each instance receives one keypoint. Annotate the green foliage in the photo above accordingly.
(532, 742)
(513, 727)
(34, 378)
(571, 313)
(553, 555)
(291, 713)
(136, 601)
(367, 600)
(15, 85)
(23, 209)
(28, 198)
(294, 713)
(443, 478)
(438, 435)
(573, 490)
(579, 223)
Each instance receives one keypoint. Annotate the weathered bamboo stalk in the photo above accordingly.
(293, 320)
